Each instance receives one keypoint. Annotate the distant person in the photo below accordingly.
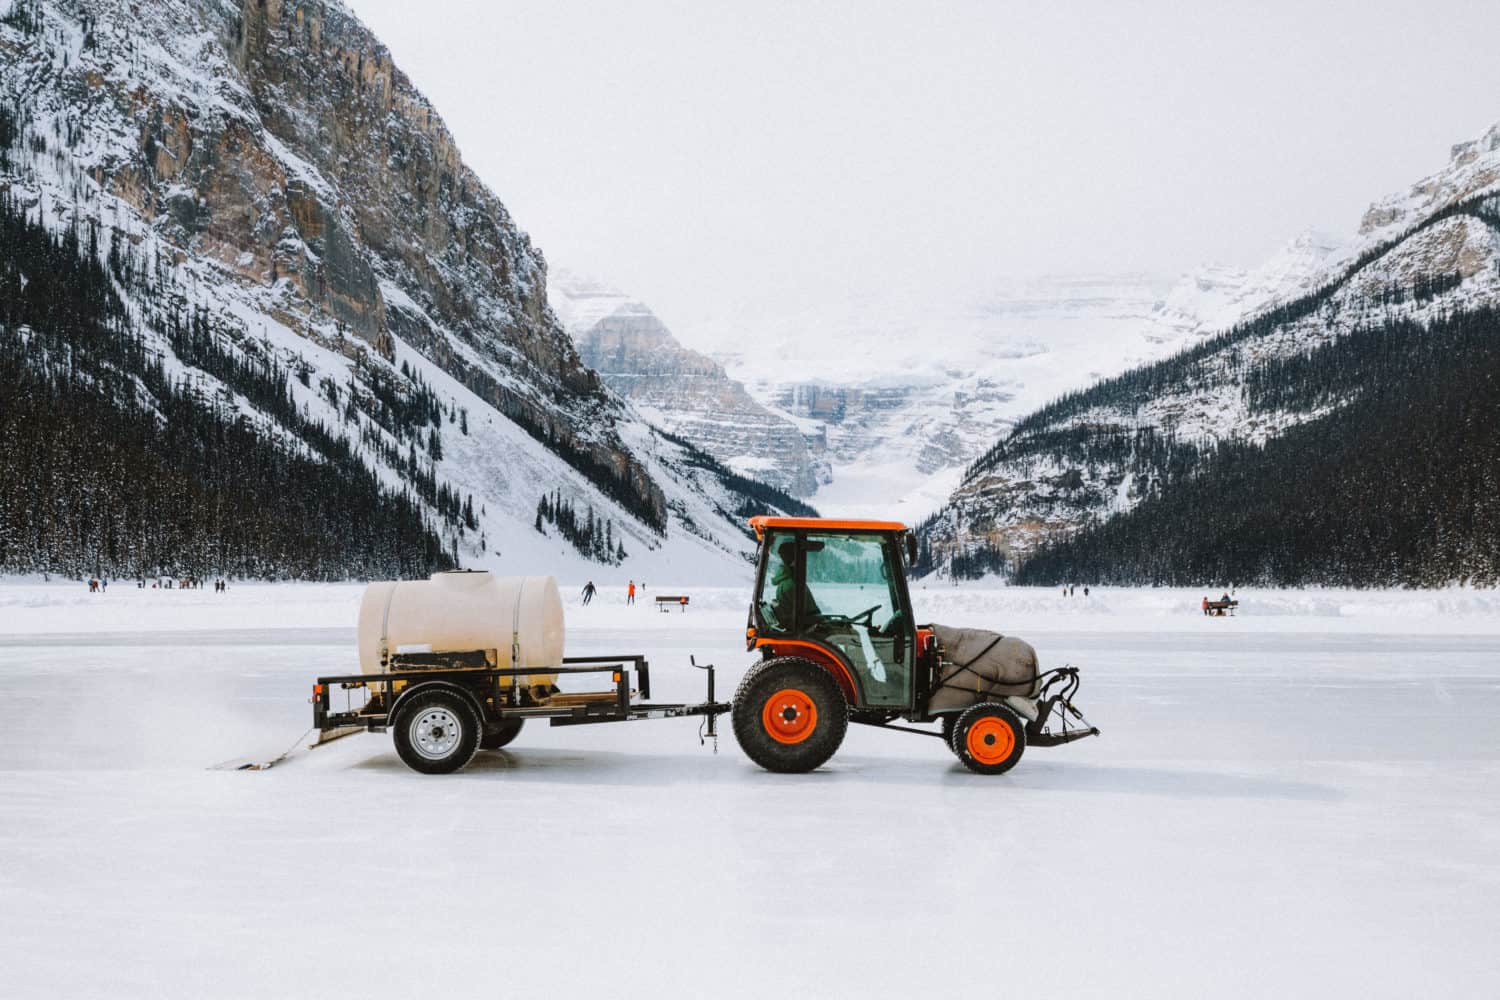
(1205, 604)
(103, 586)
(1085, 591)
(588, 592)
(1225, 598)
(93, 586)
(630, 593)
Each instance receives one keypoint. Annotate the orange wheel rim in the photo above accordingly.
(990, 740)
(789, 715)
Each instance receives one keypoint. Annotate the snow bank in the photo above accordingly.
(36, 607)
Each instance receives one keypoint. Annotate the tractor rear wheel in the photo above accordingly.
(989, 738)
(789, 715)
(509, 730)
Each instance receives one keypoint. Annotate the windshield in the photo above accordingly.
(849, 576)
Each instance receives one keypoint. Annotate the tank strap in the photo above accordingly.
(515, 630)
(385, 627)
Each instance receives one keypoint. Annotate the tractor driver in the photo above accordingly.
(783, 605)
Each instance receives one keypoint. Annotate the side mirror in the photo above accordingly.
(911, 549)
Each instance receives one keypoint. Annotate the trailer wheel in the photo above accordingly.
(436, 732)
(509, 730)
(989, 738)
(789, 715)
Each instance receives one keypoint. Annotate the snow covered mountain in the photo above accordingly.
(264, 166)
(680, 390)
(898, 396)
(1421, 255)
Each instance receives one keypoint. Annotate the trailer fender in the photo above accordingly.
(459, 689)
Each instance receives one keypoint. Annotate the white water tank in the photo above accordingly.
(519, 617)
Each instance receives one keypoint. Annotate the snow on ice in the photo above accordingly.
(1299, 801)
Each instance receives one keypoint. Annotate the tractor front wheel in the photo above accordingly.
(989, 738)
(949, 721)
(789, 715)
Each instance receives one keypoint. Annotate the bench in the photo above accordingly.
(1218, 609)
(663, 601)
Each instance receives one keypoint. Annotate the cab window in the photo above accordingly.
(851, 602)
(776, 602)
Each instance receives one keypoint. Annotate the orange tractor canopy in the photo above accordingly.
(832, 618)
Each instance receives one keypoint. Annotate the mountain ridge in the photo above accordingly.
(266, 165)
(1098, 453)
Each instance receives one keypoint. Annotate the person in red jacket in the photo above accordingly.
(630, 593)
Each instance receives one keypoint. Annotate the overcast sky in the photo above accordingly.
(766, 155)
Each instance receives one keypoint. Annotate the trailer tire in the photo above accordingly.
(509, 730)
(789, 715)
(989, 738)
(436, 732)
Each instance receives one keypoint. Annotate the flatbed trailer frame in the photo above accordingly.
(497, 703)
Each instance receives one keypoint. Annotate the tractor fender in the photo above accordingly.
(819, 654)
(422, 686)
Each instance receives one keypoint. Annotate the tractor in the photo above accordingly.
(832, 619)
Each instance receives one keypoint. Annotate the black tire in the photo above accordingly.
(436, 732)
(948, 725)
(815, 715)
(509, 730)
(980, 738)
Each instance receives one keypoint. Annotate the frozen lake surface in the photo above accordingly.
(1301, 801)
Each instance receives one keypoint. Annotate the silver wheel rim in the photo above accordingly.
(435, 733)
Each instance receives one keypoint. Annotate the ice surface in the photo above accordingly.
(1299, 801)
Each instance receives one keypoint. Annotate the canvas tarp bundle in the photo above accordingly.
(978, 665)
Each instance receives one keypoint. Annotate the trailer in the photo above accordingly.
(442, 708)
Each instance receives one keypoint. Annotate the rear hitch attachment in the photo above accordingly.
(1065, 680)
(709, 730)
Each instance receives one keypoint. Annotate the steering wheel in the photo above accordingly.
(865, 617)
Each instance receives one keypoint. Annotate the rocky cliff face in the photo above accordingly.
(1099, 452)
(266, 159)
(681, 390)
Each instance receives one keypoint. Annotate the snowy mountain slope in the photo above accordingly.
(900, 396)
(1099, 452)
(681, 390)
(266, 166)
(1216, 296)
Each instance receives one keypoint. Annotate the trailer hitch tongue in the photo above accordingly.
(709, 727)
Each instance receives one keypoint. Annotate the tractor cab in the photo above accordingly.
(832, 620)
(834, 592)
